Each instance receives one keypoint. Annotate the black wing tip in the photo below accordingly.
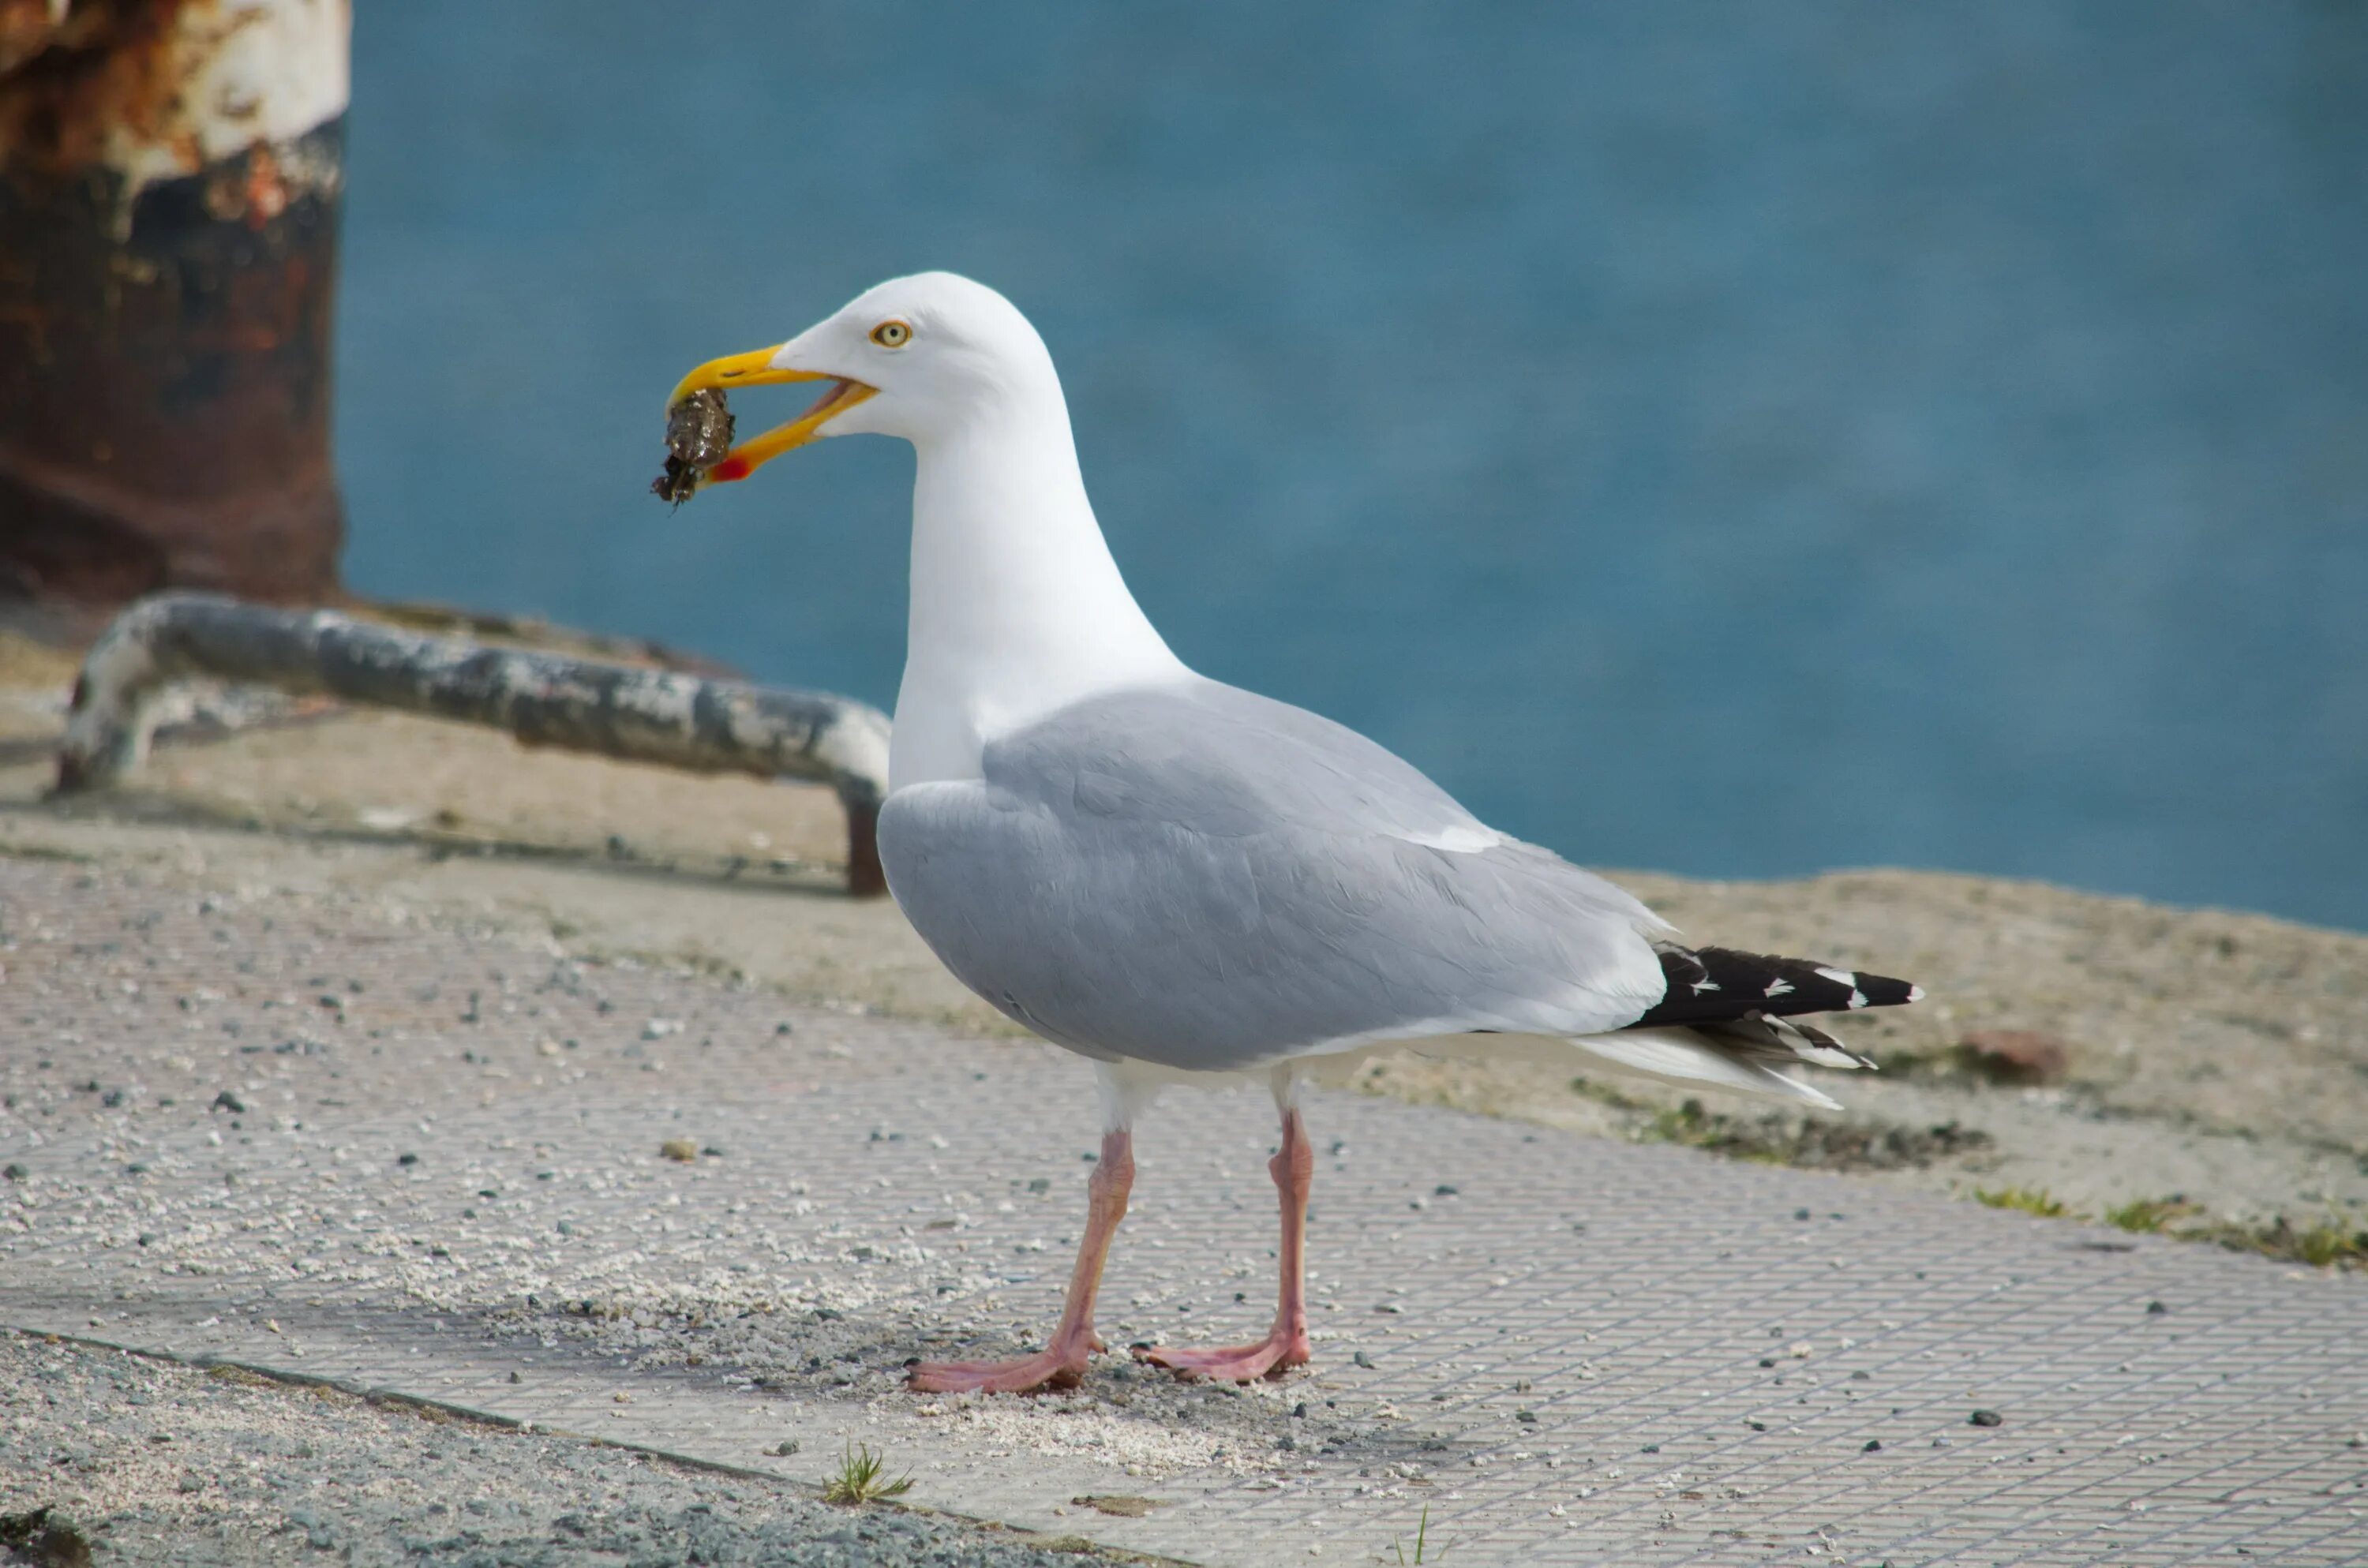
(1710, 983)
(1883, 991)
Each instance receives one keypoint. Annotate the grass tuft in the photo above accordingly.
(1807, 1143)
(1421, 1541)
(2028, 1200)
(862, 1478)
(2322, 1245)
(2331, 1242)
(2147, 1216)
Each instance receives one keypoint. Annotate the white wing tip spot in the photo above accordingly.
(1458, 838)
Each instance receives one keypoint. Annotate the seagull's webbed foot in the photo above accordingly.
(1062, 1366)
(1285, 1345)
(1062, 1363)
(1270, 1358)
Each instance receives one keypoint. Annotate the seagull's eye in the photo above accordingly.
(892, 334)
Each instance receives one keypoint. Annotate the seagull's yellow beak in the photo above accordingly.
(755, 369)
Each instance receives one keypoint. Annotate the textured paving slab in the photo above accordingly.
(1567, 1350)
(151, 1464)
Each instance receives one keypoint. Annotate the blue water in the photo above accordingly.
(1739, 439)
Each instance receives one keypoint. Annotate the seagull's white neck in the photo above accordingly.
(1017, 608)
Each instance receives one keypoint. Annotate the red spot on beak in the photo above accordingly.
(729, 469)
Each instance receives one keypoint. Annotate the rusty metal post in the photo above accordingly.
(170, 174)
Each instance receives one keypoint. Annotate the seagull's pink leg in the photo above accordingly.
(1285, 1345)
(1062, 1363)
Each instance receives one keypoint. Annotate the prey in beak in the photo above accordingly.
(699, 424)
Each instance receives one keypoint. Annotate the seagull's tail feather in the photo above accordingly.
(1713, 986)
(1729, 1019)
(1697, 1056)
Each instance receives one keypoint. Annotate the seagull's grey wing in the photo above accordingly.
(1203, 878)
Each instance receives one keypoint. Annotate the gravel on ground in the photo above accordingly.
(142, 1461)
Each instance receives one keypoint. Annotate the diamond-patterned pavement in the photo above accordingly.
(1564, 1349)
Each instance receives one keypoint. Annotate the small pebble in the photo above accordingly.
(1985, 1418)
(1873, 1446)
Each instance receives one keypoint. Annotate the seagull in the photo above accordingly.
(1182, 880)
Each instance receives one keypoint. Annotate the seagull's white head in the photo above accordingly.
(920, 357)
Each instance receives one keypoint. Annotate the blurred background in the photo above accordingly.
(1726, 438)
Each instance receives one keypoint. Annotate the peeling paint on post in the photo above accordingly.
(170, 178)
